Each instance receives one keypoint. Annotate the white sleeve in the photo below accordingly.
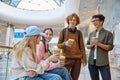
(29, 64)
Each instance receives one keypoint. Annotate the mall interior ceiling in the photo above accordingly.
(87, 8)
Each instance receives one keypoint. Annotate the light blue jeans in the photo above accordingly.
(45, 76)
(63, 72)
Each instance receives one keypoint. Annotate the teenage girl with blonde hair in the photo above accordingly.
(24, 58)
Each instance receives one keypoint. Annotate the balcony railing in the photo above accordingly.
(5, 62)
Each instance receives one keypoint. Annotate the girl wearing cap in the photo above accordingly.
(24, 58)
(43, 54)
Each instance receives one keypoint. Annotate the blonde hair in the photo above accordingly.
(29, 41)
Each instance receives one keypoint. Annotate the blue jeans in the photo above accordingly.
(33, 78)
(62, 72)
(50, 76)
(104, 70)
(45, 76)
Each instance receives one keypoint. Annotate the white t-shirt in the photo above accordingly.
(95, 51)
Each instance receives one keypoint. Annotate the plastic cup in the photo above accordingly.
(72, 40)
(62, 58)
(93, 38)
(56, 51)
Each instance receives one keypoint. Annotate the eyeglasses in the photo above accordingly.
(95, 20)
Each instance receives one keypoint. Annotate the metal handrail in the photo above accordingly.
(8, 47)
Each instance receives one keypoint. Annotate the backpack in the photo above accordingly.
(64, 33)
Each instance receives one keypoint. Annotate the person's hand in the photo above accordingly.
(94, 42)
(54, 58)
(31, 73)
(69, 43)
(84, 62)
(91, 43)
(61, 63)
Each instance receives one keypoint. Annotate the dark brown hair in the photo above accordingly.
(100, 16)
(43, 38)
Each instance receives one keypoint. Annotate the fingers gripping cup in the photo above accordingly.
(93, 39)
(56, 51)
(70, 42)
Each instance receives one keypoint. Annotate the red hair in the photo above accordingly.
(69, 17)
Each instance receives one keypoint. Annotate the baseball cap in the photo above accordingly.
(33, 30)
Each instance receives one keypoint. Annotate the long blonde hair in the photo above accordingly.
(29, 41)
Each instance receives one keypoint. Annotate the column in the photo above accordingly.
(9, 35)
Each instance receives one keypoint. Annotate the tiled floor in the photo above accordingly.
(115, 74)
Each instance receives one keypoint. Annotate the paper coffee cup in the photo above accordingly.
(93, 38)
(62, 57)
(71, 40)
(56, 50)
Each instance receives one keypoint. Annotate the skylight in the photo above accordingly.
(37, 4)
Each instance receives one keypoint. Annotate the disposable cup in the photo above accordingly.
(62, 58)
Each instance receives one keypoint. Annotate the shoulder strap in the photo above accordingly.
(64, 33)
(79, 38)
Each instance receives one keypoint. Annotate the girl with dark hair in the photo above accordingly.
(43, 53)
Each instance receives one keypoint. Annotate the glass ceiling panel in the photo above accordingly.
(37, 4)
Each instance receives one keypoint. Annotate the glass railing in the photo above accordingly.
(5, 62)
